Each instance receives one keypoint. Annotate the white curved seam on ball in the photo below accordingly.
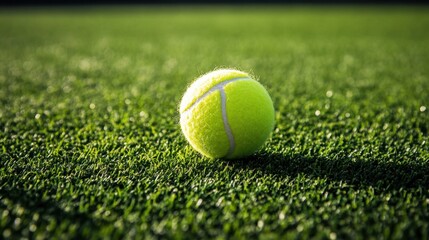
(226, 123)
(218, 86)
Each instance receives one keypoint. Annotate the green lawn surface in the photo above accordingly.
(91, 148)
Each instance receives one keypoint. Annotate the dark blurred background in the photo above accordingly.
(195, 2)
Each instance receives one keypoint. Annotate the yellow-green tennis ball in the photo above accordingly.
(226, 114)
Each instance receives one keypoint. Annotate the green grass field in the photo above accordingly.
(91, 148)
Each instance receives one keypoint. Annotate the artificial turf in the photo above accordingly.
(91, 148)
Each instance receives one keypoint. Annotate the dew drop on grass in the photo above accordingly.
(5, 213)
(143, 115)
(7, 233)
(36, 217)
(33, 227)
(17, 222)
(317, 113)
(219, 202)
(260, 224)
(200, 201)
(20, 211)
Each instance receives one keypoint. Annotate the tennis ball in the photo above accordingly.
(226, 114)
